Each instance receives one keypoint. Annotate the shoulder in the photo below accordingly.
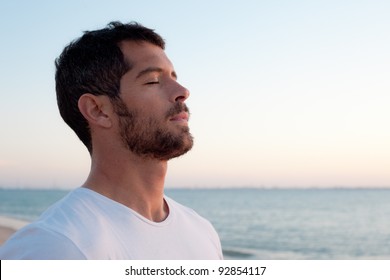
(59, 233)
(181, 209)
(187, 215)
(34, 242)
(189, 223)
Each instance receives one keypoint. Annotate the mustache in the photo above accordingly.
(177, 109)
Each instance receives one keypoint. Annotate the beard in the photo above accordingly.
(148, 138)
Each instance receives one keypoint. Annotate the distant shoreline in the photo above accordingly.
(168, 188)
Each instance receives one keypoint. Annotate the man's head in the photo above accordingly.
(98, 63)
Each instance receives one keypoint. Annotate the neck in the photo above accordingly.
(133, 181)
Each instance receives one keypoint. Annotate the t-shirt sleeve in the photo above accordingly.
(35, 243)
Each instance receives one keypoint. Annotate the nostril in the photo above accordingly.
(180, 99)
(182, 94)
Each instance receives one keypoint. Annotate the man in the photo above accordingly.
(118, 91)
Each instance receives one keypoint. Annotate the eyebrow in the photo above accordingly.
(152, 70)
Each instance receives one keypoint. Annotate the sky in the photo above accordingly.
(284, 93)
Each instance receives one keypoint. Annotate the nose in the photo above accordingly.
(180, 93)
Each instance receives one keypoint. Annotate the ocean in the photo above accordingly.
(272, 224)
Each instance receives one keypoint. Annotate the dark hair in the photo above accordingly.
(94, 63)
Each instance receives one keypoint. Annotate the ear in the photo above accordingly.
(97, 110)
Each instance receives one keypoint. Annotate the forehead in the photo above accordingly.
(140, 55)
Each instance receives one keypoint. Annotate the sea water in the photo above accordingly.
(268, 223)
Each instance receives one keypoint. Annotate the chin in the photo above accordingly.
(184, 148)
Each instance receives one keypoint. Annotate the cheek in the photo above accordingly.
(147, 103)
(153, 108)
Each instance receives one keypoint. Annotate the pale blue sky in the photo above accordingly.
(283, 93)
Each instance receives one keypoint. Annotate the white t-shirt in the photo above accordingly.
(87, 225)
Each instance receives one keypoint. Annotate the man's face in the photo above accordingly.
(152, 116)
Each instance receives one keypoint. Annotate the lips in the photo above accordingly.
(181, 117)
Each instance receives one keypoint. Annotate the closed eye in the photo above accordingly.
(152, 83)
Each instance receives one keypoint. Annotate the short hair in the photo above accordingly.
(94, 63)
